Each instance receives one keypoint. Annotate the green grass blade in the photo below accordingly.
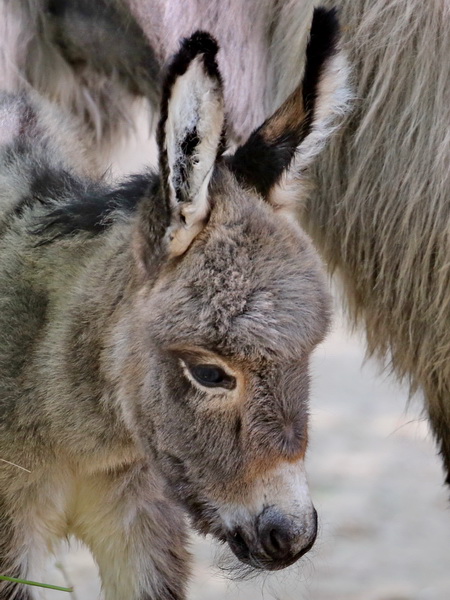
(35, 583)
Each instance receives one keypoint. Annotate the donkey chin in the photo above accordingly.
(274, 526)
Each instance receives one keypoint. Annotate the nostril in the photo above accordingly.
(276, 542)
(239, 540)
(238, 544)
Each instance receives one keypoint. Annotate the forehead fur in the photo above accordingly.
(250, 284)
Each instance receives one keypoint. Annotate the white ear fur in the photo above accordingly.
(332, 103)
(193, 133)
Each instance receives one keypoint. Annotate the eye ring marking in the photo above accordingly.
(211, 376)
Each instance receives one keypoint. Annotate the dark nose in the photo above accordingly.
(274, 541)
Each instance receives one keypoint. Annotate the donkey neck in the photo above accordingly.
(74, 371)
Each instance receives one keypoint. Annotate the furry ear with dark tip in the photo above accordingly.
(276, 154)
(189, 136)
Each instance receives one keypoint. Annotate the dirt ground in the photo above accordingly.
(376, 483)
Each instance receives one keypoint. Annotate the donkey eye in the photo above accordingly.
(212, 376)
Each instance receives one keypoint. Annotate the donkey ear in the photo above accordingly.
(285, 144)
(189, 136)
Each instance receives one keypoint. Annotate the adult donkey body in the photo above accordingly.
(153, 345)
(379, 213)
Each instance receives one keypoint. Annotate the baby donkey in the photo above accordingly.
(155, 335)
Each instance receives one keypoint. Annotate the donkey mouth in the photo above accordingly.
(273, 540)
(260, 559)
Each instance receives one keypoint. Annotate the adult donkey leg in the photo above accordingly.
(136, 534)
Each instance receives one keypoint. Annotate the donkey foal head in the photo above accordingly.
(232, 301)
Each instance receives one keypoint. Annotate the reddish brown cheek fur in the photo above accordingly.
(254, 472)
(269, 450)
(270, 460)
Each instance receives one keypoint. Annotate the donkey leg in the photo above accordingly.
(136, 534)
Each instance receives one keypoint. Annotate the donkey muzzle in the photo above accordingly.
(273, 540)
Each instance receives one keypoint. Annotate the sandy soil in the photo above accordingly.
(377, 485)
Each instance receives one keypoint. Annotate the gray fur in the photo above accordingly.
(97, 332)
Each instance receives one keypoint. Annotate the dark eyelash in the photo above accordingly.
(211, 376)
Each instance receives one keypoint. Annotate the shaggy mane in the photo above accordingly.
(91, 209)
